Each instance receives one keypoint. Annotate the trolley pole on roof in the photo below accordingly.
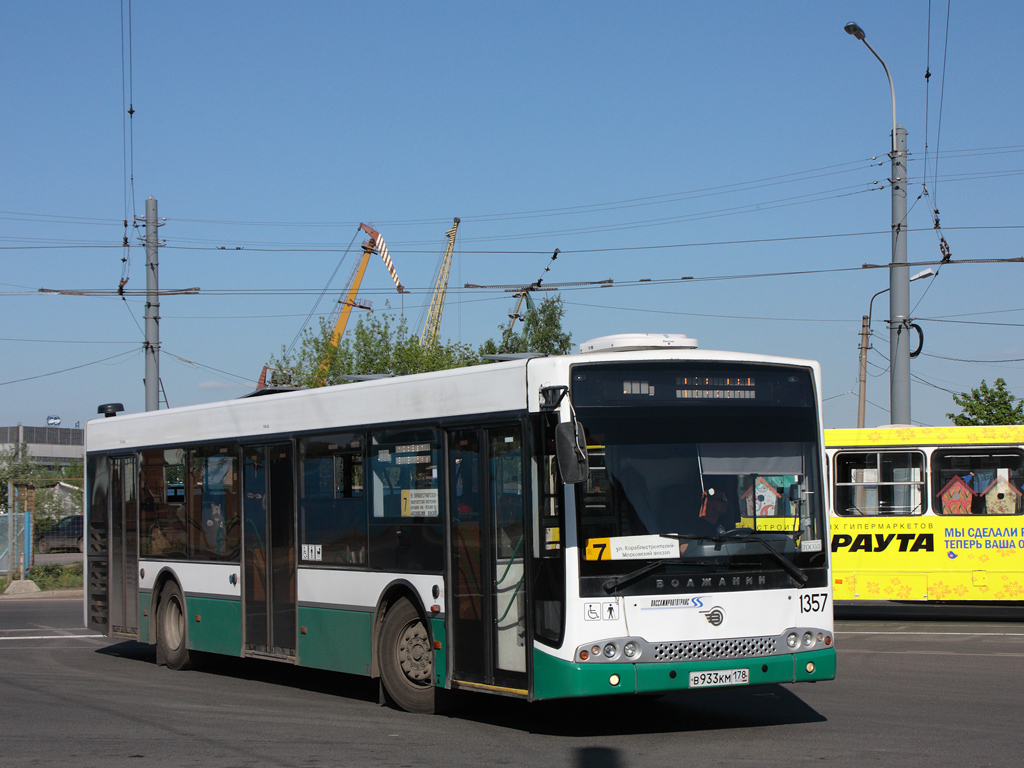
(152, 345)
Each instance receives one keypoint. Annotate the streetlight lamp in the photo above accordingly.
(899, 284)
(865, 333)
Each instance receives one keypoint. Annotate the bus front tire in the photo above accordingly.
(406, 658)
(172, 628)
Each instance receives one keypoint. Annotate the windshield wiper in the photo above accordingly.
(613, 584)
(747, 534)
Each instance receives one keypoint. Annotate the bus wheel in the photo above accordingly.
(172, 629)
(406, 659)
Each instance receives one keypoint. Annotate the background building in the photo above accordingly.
(51, 447)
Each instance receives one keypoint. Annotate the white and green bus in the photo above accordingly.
(640, 518)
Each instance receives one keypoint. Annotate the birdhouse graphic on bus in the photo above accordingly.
(1001, 497)
(762, 499)
(956, 497)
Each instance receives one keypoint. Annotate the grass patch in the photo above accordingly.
(55, 576)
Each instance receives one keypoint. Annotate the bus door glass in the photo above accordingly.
(268, 570)
(488, 600)
(124, 548)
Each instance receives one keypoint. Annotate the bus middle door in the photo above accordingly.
(268, 567)
(487, 559)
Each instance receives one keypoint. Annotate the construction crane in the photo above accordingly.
(342, 310)
(339, 318)
(433, 323)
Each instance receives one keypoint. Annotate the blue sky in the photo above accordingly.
(648, 141)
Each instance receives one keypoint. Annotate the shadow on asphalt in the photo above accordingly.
(710, 710)
(354, 687)
(707, 710)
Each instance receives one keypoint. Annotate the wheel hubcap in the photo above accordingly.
(175, 624)
(414, 653)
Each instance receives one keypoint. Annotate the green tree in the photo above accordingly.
(986, 406)
(379, 344)
(542, 332)
(15, 464)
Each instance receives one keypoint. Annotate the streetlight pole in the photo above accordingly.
(865, 345)
(899, 282)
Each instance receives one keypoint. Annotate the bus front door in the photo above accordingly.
(486, 569)
(268, 568)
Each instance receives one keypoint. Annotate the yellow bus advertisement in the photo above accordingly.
(927, 513)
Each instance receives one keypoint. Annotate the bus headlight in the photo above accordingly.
(808, 639)
(610, 650)
(792, 640)
(631, 650)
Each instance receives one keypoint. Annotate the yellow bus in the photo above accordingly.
(927, 513)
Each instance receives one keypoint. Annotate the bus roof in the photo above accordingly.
(897, 436)
(500, 387)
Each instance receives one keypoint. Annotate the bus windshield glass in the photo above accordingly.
(701, 469)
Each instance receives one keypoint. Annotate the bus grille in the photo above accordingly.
(699, 650)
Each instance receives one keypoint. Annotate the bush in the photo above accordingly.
(55, 576)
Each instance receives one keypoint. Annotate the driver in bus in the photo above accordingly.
(714, 512)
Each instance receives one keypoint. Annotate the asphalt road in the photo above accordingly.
(940, 689)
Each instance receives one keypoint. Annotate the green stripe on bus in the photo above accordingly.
(335, 639)
(146, 604)
(214, 625)
(440, 654)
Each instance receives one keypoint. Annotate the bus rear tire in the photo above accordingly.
(406, 658)
(172, 628)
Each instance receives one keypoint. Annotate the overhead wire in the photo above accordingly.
(72, 368)
(128, 138)
(319, 298)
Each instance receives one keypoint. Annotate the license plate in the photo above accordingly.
(715, 677)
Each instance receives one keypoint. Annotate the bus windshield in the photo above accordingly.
(699, 475)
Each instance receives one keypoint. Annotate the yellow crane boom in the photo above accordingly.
(433, 323)
(374, 245)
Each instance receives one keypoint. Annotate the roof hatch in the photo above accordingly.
(628, 342)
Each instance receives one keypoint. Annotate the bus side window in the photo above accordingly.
(162, 528)
(978, 481)
(331, 499)
(212, 501)
(406, 530)
(879, 483)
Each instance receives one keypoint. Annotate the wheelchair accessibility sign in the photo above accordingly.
(601, 611)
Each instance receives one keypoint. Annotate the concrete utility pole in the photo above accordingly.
(899, 288)
(862, 378)
(152, 345)
(899, 282)
(865, 344)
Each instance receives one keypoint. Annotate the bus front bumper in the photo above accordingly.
(554, 678)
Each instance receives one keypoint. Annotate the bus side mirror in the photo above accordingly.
(571, 452)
